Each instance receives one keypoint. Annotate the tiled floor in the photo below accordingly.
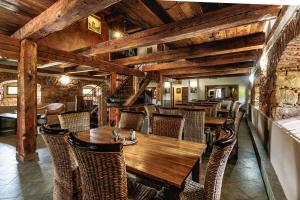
(33, 180)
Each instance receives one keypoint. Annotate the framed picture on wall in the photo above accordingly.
(94, 24)
(178, 90)
(193, 90)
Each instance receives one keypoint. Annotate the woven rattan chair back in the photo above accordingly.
(168, 125)
(66, 174)
(103, 169)
(237, 120)
(207, 109)
(216, 166)
(75, 121)
(131, 120)
(169, 111)
(194, 125)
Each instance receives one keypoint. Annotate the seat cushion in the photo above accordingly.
(192, 190)
(137, 191)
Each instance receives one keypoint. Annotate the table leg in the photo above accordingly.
(169, 192)
(197, 171)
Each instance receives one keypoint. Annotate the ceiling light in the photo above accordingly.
(117, 34)
(65, 80)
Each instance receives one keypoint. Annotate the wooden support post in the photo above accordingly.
(102, 111)
(136, 84)
(159, 89)
(27, 102)
(113, 82)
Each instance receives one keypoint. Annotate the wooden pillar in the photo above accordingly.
(160, 88)
(102, 111)
(136, 84)
(113, 82)
(27, 102)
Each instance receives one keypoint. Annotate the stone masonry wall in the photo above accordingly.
(280, 83)
(52, 89)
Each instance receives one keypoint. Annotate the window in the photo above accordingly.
(87, 91)
(219, 93)
(12, 90)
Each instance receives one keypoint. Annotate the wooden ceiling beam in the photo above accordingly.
(224, 18)
(45, 72)
(10, 48)
(207, 61)
(59, 16)
(78, 69)
(197, 70)
(59, 55)
(233, 45)
(211, 76)
(235, 72)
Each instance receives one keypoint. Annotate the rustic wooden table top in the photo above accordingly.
(215, 121)
(160, 158)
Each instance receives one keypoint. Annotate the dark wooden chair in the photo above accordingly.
(103, 172)
(67, 183)
(168, 125)
(131, 120)
(214, 171)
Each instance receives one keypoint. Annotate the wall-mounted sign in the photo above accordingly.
(94, 24)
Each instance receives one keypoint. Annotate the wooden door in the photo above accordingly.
(185, 95)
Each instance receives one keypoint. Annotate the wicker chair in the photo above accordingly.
(194, 125)
(237, 123)
(131, 120)
(169, 111)
(103, 172)
(67, 184)
(233, 114)
(150, 110)
(214, 172)
(75, 121)
(49, 113)
(168, 125)
(207, 109)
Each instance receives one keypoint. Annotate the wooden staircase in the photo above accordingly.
(125, 94)
(133, 98)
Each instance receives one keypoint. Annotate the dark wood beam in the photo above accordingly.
(239, 44)
(207, 61)
(211, 76)
(59, 16)
(224, 18)
(10, 48)
(45, 72)
(158, 10)
(239, 72)
(58, 55)
(198, 70)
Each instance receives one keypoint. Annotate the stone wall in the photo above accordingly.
(52, 90)
(280, 82)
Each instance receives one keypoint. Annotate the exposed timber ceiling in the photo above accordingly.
(193, 39)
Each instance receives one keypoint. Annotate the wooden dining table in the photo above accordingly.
(215, 121)
(165, 160)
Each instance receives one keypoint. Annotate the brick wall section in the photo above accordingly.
(52, 90)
